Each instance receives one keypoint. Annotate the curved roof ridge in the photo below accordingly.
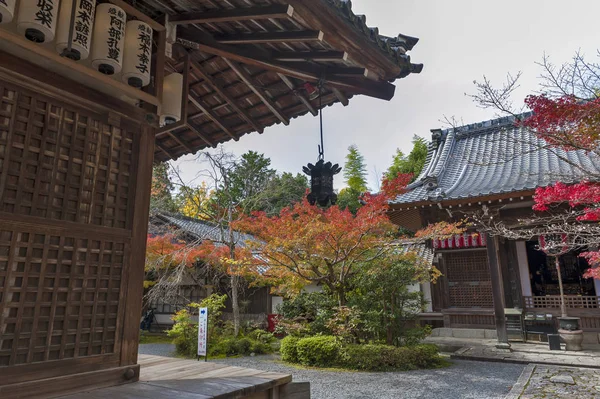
(394, 47)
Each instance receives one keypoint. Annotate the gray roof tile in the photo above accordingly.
(493, 157)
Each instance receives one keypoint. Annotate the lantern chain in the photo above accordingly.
(322, 146)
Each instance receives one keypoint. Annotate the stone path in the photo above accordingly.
(528, 353)
(556, 382)
(524, 353)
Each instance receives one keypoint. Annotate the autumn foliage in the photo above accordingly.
(570, 124)
(307, 244)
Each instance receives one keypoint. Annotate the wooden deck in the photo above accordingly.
(164, 377)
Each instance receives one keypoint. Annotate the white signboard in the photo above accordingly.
(202, 331)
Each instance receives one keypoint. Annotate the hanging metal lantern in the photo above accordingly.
(172, 96)
(7, 11)
(321, 183)
(83, 22)
(138, 53)
(37, 19)
(108, 39)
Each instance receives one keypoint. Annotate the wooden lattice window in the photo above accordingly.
(60, 296)
(61, 164)
(469, 281)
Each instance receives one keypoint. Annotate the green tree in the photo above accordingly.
(413, 163)
(350, 199)
(281, 191)
(248, 178)
(161, 198)
(355, 170)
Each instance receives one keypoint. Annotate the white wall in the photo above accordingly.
(426, 288)
(275, 301)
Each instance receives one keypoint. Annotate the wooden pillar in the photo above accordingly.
(497, 291)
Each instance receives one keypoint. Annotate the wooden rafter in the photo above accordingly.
(340, 96)
(198, 103)
(197, 133)
(199, 40)
(271, 37)
(300, 96)
(275, 11)
(245, 76)
(318, 56)
(218, 87)
(164, 150)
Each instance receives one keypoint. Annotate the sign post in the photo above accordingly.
(203, 333)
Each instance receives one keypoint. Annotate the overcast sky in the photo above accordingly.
(460, 41)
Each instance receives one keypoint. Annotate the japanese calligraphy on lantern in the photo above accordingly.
(202, 331)
(115, 33)
(145, 48)
(82, 29)
(45, 13)
(108, 38)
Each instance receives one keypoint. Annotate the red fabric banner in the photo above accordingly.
(461, 241)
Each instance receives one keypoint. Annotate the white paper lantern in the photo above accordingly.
(37, 19)
(7, 11)
(138, 54)
(108, 39)
(82, 28)
(171, 104)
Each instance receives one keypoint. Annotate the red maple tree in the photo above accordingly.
(571, 124)
(307, 244)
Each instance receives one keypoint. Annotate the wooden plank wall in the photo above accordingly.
(74, 197)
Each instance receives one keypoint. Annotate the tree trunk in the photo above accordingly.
(235, 305)
(235, 279)
(563, 307)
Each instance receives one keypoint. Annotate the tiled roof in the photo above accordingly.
(394, 47)
(203, 230)
(419, 249)
(493, 157)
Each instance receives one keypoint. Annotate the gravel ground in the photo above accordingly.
(157, 349)
(463, 380)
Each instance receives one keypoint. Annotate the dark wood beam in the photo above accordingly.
(340, 96)
(318, 56)
(204, 108)
(198, 40)
(179, 141)
(271, 37)
(350, 71)
(276, 11)
(300, 96)
(197, 133)
(245, 76)
(164, 150)
(218, 87)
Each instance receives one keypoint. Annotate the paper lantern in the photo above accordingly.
(7, 11)
(138, 53)
(108, 39)
(37, 19)
(82, 29)
(172, 96)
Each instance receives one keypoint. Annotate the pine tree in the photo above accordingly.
(355, 170)
(161, 199)
(413, 163)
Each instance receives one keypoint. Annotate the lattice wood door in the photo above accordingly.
(469, 280)
(66, 183)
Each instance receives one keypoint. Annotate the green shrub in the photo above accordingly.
(427, 356)
(289, 350)
(322, 351)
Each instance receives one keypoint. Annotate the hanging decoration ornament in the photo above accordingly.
(109, 37)
(37, 19)
(138, 53)
(78, 24)
(7, 11)
(172, 98)
(321, 174)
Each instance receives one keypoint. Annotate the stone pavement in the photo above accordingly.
(525, 353)
(554, 382)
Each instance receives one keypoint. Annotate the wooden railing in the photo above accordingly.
(553, 301)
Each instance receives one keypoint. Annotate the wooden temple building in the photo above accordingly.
(91, 94)
(492, 169)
